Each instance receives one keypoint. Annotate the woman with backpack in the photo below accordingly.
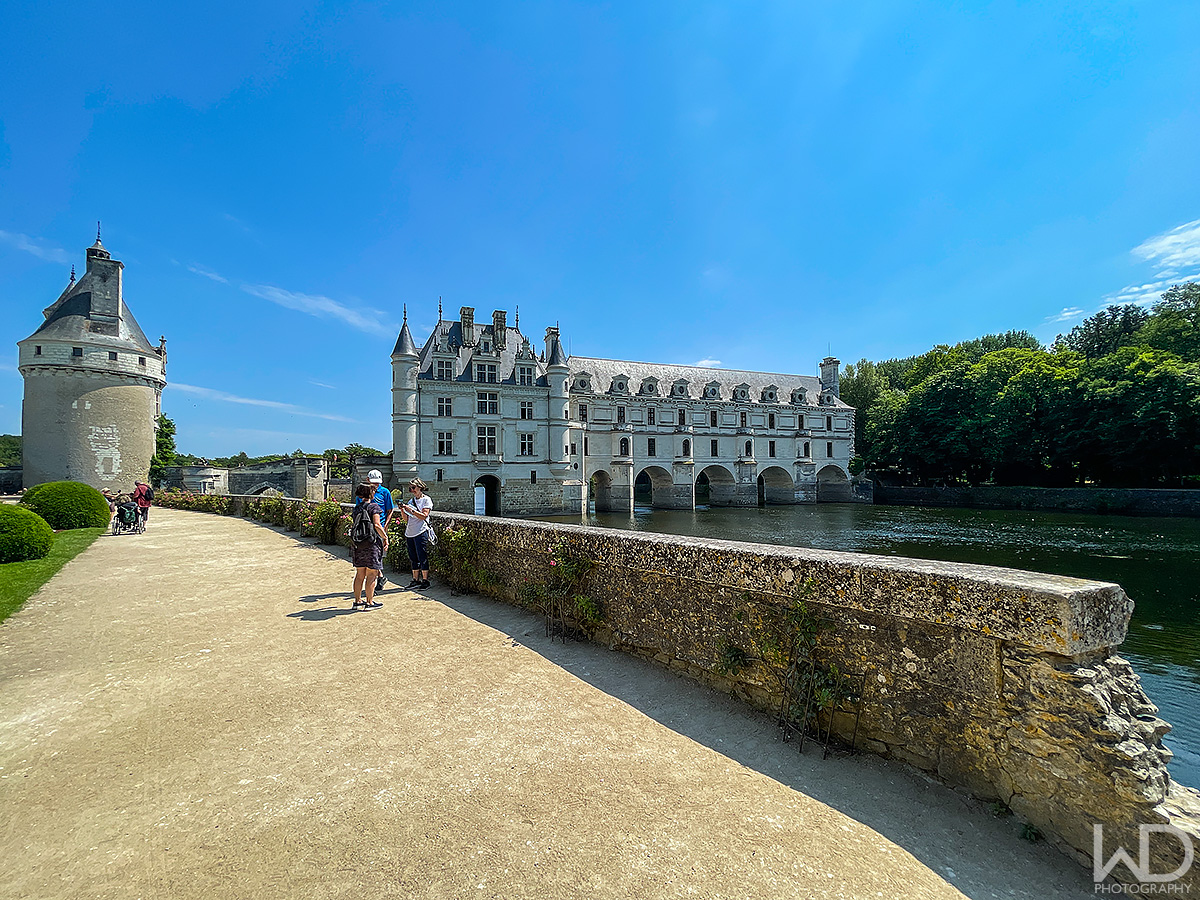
(368, 543)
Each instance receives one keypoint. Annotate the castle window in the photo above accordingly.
(112, 355)
(742, 420)
(445, 446)
(524, 374)
(439, 474)
(649, 416)
(573, 449)
(713, 446)
(445, 406)
(806, 449)
(532, 477)
(771, 420)
(487, 348)
(485, 436)
(77, 351)
(687, 448)
(582, 412)
(682, 417)
(771, 448)
(526, 444)
(620, 414)
(712, 418)
(829, 423)
(37, 350)
(624, 446)
(445, 370)
(651, 447)
(586, 450)
(485, 372)
(487, 403)
(749, 448)
(829, 449)
(141, 360)
(526, 409)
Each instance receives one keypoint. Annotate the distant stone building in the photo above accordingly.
(93, 385)
(489, 423)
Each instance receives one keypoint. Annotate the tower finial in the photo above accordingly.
(517, 322)
(439, 309)
(97, 231)
(72, 275)
(405, 313)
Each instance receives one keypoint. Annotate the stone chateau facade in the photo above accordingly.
(93, 385)
(490, 424)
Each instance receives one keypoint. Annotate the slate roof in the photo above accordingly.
(448, 334)
(604, 370)
(70, 319)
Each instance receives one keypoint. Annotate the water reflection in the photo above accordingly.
(1156, 561)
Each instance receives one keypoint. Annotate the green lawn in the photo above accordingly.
(19, 580)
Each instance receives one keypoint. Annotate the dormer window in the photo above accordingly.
(741, 392)
(800, 396)
(712, 391)
(445, 370)
(680, 388)
(649, 387)
(620, 384)
(583, 382)
(487, 348)
(770, 394)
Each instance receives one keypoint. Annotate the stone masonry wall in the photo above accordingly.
(1000, 681)
(1125, 501)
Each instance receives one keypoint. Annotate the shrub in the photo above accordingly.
(68, 504)
(324, 522)
(24, 534)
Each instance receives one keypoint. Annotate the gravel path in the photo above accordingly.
(195, 712)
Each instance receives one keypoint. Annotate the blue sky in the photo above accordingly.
(754, 183)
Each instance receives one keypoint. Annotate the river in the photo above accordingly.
(1156, 561)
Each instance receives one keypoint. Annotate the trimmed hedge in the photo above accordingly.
(24, 534)
(68, 504)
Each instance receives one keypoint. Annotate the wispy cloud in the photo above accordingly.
(1069, 314)
(38, 248)
(322, 384)
(707, 363)
(223, 397)
(208, 273)
(372, 321)
(1173, 250)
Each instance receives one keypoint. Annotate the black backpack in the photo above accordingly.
(362, 530)
(148, 493)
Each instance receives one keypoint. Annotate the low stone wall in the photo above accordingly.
(1123, 501)
(1000, 681)
(10, 479)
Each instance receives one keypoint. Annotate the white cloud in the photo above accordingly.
(38, 248)
(372, 321)
(707, 363)
(1173, 250)
(222, 396)
(322, 384)
(208, 273)
(1069, 314)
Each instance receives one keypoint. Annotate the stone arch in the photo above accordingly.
(654, 484)
(600, 487)
(262, 487)
(775, 486)
(491, 494)
(716, 484)
(833, 485)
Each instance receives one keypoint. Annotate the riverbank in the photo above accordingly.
(1121, 501)
(199, 715)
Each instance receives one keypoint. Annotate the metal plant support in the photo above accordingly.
(800, 695)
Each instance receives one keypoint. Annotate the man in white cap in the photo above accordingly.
(384, 498)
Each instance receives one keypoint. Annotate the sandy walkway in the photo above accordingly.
(195, 713)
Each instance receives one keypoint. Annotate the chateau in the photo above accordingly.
(496, 428)
(93, 385)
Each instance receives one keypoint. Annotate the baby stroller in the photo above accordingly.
(128, 519)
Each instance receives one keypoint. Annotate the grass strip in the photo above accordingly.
(19, 580)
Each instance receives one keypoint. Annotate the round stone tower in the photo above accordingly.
(406, 363)
(93, 385)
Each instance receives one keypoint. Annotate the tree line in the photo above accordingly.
(1115, 402)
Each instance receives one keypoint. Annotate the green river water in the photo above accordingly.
(1156, 561)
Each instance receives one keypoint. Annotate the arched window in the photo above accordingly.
(687, 448)
(749, 448)
(682, 417)
(806, 449)
(625, 446)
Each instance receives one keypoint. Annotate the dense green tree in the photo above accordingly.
(1174, 322)
(164, 450)
(1106, 332)
(10, 450)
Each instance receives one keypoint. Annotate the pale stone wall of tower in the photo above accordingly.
(86, 426)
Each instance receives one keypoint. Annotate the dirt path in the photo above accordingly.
(195, 713)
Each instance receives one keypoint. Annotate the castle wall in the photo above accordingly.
(84, 425)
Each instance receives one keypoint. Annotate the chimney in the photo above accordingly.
(499, 328)
(829, 375)
(466, 316)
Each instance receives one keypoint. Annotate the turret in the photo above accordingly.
(406, 364)
(829, 376)
(558, 378)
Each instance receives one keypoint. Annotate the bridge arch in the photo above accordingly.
(833, 485)
(775, 486)
(716, 485)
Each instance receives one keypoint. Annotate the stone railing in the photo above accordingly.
(1000, 681)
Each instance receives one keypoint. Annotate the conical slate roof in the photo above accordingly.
(405, 346)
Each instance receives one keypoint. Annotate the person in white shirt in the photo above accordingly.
(416, 532)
